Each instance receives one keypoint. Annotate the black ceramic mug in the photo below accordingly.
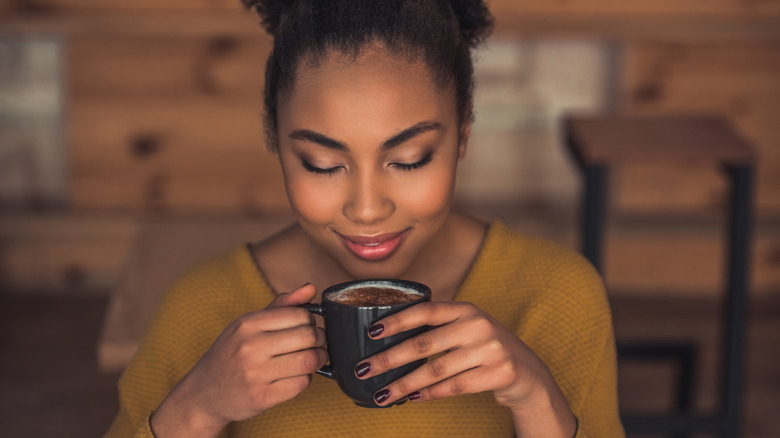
(346, 329)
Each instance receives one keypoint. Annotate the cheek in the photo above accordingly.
(313, 201)
(428, 196)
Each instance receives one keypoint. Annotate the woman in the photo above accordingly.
(368, 106)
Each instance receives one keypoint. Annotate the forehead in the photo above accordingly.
(373, 56)
(375, 85)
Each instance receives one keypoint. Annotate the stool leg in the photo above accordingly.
(685, 381)
(593, 213)
(736, 297)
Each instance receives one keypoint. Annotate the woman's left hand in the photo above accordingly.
(480, 355)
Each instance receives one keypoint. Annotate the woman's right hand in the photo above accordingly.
(260, 360)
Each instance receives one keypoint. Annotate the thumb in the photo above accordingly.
(299, 296)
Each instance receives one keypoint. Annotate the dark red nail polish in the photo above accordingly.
(376, 330)
(415, 395)
(362, 369)
(382, 395)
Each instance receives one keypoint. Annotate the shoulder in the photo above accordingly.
(192, 313)
(538, 259)
(536, 283)
(223, 271)
(198, 306)
(557, 298)
(221, 288)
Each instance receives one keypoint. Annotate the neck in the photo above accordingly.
(292, 258)
(445, 263)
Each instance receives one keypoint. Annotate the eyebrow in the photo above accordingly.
(395, 140)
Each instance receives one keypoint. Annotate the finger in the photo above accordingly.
(293, 339)
(298, 363)
(437, 370)
(469, 382)
(299, 296)
(433, 372)
(426, 344)
(433, 314)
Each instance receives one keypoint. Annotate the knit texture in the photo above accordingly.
(548, 295)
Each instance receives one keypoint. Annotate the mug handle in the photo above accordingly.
(319, 309)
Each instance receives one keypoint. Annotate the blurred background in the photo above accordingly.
(131, 147)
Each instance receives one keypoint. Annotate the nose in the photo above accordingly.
(368, 202)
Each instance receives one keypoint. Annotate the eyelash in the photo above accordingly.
(401, 166)
(427, 159)
(319, 171)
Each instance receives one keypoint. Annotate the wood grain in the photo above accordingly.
(668, 139)
(171, 66)
(65, 254)
(738, 82)
(196, 153)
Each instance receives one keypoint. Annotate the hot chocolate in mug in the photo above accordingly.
(349, 309)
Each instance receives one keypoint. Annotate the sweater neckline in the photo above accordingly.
(254, 275)
(492, 238)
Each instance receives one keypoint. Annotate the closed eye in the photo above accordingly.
(412, 166)
(318, 170)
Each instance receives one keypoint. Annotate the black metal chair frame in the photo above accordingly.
(726, 423)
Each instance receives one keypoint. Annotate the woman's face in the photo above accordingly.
(369, 150)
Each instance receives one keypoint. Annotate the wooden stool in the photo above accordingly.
(599, 143)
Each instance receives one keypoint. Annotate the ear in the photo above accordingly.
(465, 131)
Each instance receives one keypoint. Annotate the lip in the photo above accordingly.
(374, 248)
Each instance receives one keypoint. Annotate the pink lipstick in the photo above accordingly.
(373, 248)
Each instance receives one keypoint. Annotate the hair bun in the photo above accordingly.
(474, 19)
(270, 12)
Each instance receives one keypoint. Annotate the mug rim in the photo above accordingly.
(390, 282)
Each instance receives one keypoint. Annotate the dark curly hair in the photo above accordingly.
(440, 32)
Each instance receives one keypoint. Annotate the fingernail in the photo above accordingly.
(414, 396)
(362, 369)
(376, 330)
(382, 395)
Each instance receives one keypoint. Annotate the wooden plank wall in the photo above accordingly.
(738, 81)
(164, 111)
(170, 124)
(584, 8)
(69, 255)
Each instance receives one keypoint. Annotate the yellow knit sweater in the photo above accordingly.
(548, 295)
